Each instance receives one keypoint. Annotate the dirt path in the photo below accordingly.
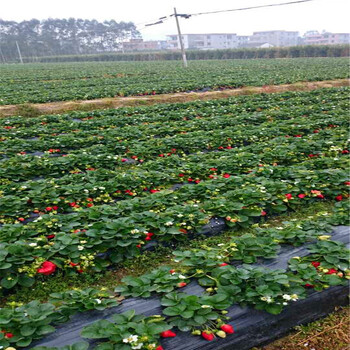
(87, 105)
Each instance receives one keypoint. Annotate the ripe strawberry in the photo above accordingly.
(168, 334)
(315, 264)
(227, 328)
(339, 198)
(208, 336)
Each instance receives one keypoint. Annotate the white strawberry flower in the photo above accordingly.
(131, 339)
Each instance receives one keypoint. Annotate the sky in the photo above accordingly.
(329, 15)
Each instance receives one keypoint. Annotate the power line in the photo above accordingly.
(161, 20)
(250, 7)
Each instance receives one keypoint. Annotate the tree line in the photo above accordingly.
(54, 37)
(275, 52)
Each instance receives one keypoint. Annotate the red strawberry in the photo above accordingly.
(168, 334)
(339, 198)
(288, 196)
(47, 268)
(263, 213)
(307, 285)
(8, 335)
(48, 208)
(159, 348)
(50, 236)
(208, 336)
(182, 284)
(226, 176)
(301, 195)
(172, 271)
(227, 328)
(315, 263)
(21, 219)
(223, 264)
(331, 272)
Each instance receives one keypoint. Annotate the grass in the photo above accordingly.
(330, 333)
(143, 263)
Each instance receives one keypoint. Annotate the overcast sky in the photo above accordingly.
(330, 15)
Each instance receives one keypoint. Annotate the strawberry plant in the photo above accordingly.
(127, 331)
(188, 312)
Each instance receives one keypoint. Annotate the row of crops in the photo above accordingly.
(35, 83)
(81, 192)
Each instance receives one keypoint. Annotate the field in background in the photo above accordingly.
(38, 83)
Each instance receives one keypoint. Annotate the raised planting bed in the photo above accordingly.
(252, 327)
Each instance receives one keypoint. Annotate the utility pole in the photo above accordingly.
(180, 39)
(2, 56)
(19, 52)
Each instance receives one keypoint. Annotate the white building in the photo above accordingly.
(204, 41)
(325, 38)
(274, 38)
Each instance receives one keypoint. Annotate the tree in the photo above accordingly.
(51, 37)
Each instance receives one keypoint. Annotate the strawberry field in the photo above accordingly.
(86, 193)
(36, 83)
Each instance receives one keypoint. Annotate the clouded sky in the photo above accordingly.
(330, 15)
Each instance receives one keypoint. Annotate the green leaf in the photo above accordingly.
(27, 330)
(273, 309)
(200, 319)
(80, 346)
(9, 282)
(187, 314)
(171, 311)
(42, 330)
(26, 281)
(24, 342)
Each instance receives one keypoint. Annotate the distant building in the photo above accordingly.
(140, 45)
(242, 40)
(204, 41)
(263, 39)
(274, 38)
(325, 38)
